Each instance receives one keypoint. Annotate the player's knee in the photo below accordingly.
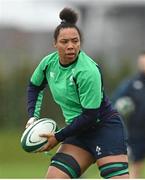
(55, 173)
(50, 173)
(110, 170)
(67, 164)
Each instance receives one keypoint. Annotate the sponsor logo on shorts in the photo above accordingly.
(98, 150)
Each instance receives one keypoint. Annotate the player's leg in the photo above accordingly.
(136, 156)
(69, 162)
(136, 169)
(111, 149)
(114, 166)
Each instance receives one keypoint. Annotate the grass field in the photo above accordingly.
(15, 163)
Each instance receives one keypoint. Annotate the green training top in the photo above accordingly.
(74, 87)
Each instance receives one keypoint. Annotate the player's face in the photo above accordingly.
(141, 63)
(68, 45)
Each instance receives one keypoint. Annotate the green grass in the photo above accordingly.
(15, 163)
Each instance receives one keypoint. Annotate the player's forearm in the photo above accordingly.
(80, 123)
(34, 100)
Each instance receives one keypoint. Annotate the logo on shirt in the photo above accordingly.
(71, 81)
(98, 150)
(52, 74)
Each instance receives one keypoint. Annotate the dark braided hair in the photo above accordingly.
(68, 20)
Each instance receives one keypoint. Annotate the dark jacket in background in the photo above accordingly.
(135, 89)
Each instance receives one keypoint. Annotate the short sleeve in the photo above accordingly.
(38, 75)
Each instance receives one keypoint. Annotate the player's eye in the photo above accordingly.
(75, 40)
(64, 41)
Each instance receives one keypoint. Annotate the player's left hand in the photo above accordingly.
(52, 142)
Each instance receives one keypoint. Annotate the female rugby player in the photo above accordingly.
(94, 132)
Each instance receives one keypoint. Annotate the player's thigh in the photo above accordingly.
(83, 157)
(136, 149)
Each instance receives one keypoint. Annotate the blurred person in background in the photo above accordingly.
(129, 99)
(94, 132)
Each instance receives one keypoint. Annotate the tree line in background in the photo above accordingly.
(13, 110)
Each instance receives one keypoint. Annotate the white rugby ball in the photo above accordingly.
(125, 105)
(31, 140)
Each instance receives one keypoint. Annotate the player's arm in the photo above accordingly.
(35, 92)
(90, 93)
(34, 99)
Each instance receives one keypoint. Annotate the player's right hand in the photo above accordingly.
(52, 142)
(30, 121)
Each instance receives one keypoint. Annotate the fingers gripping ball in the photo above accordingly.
(31, 140)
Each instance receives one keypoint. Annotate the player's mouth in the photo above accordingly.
(71, 55)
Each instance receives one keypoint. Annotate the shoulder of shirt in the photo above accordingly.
(50, 58)
(85, 62)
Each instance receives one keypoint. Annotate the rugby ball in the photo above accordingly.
(31, 140)
(125, 105)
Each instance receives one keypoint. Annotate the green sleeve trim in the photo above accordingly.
(38, 105)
